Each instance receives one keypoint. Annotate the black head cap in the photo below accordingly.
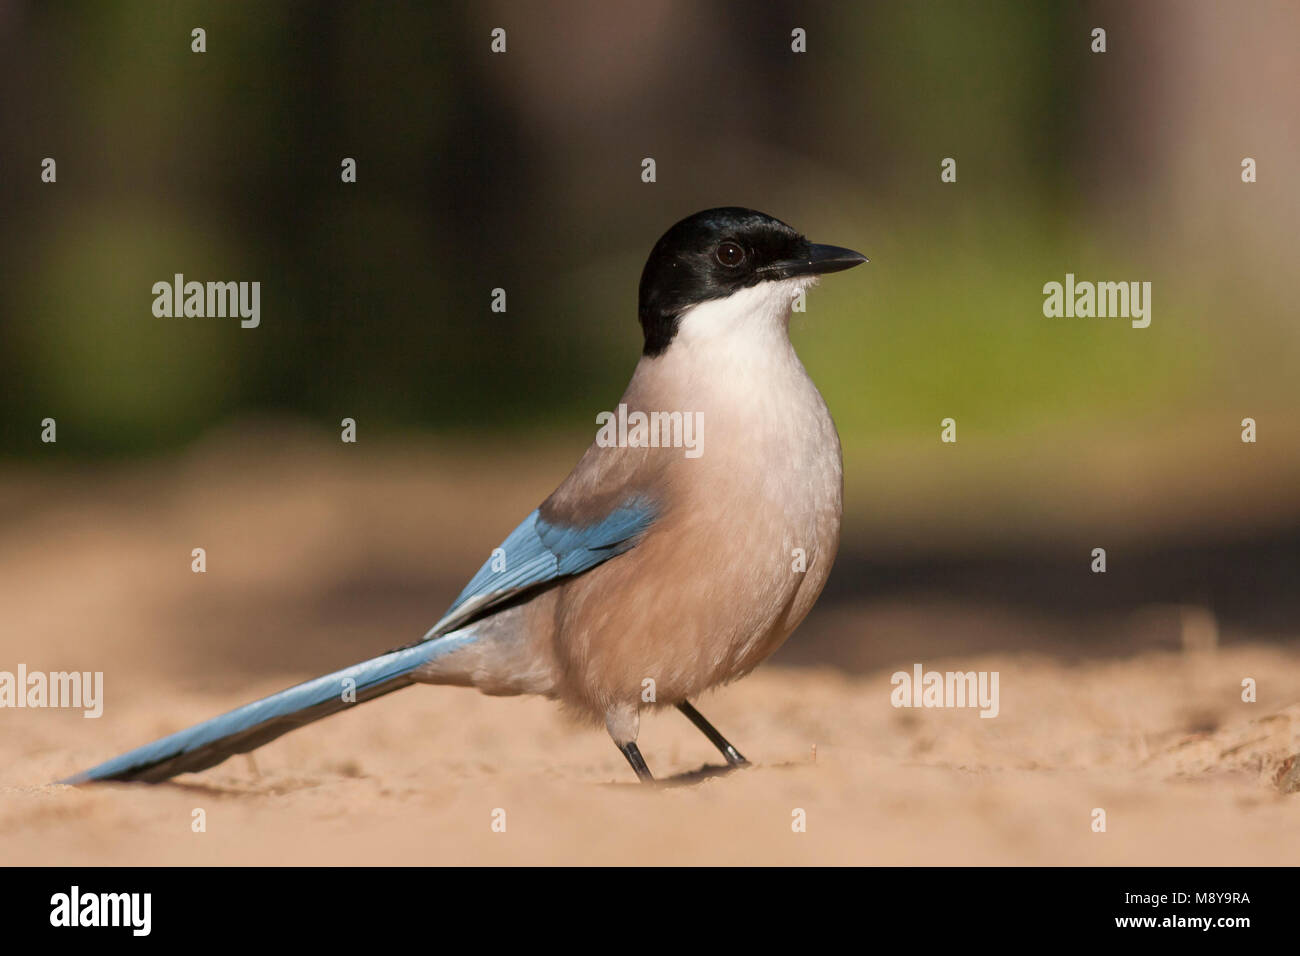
(715, 253)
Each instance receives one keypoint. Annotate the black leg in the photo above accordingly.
(734, 756)
(634, 757)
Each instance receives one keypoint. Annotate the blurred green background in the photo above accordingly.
(522, 170)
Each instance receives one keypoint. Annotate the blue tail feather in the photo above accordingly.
(246, 728)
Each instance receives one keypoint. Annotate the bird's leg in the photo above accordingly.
(633, 755)
(734, 756)
(623, 721)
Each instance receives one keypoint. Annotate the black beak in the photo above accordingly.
(817, 260)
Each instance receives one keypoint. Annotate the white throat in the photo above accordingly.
(733, 353)
(752, 320)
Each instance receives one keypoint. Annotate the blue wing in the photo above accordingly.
(539, 551)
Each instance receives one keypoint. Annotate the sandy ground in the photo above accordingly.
(95, 575)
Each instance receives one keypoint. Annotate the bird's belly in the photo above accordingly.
(727, 574)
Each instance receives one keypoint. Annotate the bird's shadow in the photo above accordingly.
(703, 772)
(687, 778)
(261, 789)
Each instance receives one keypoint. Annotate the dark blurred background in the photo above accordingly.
(522, 170)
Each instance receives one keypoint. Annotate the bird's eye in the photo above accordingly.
(730, 254)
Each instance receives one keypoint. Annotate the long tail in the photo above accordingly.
(249, 727)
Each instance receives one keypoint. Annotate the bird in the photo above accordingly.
(652, 573)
